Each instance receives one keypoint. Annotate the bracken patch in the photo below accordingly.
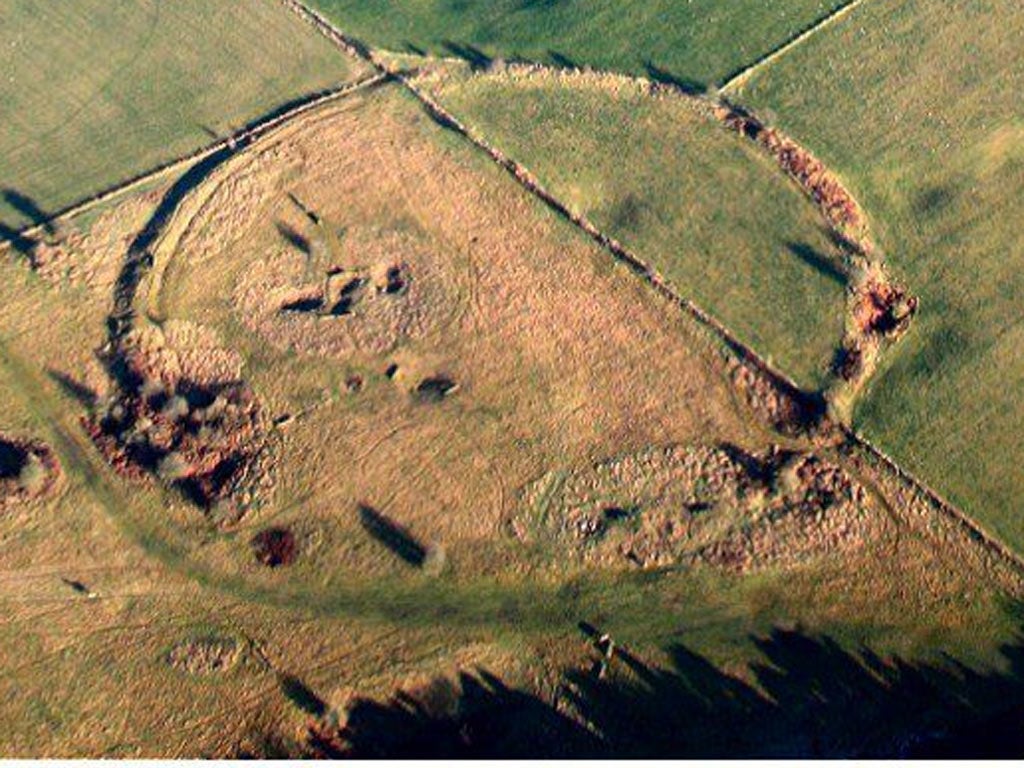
(29, 469)
(275, 547)
(203, 436)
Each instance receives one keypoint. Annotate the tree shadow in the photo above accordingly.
(393, 536)
(809, 697)
(474, 716)
(472, 55)
(301, 695)
(805, 697)
(28, 208)
(84, 395)
(685, 84)
(819, 262)
(293, 238)
(563, 61)
(22, 244)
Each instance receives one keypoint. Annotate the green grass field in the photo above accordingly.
(562, 359)
(94, 92)
(698, 41)
(918, 106)
(700, 205)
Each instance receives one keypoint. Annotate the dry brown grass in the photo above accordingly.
(557, 357)
(561, 360)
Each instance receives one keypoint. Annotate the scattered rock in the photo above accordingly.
(174, 416)
(435, 389)
(720, 506)
(349, 296)
(395, 281)
(205, 655)
(836, 204)
(884, 309)
(788, 410)
(304, 305)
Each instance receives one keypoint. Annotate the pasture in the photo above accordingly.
(698, 203)
(916, 106)
(698, 43)
(95, 92)
(490, 278)
(347, 415)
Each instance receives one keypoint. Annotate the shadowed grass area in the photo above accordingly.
(699, 205)
(917, 105)
(799, 695)
(95, 92)
(698, 42)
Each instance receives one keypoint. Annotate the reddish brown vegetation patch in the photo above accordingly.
(837, 205)
(206, 439)
(275, 547)
(883, 309)
(28, 469)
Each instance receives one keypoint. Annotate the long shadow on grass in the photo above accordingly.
(472, 55)
(85, 396)
(563, 61)
(393, 536)
(28, 208)
(294, 238)
(819, 262)
(22, 244)
(684, 84)
(805, 697)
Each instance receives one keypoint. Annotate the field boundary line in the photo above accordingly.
(740, 76)
(533, 185)
(747, 355)
(973, 529)
(252, 131)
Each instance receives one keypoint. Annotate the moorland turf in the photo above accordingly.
(426, 341)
